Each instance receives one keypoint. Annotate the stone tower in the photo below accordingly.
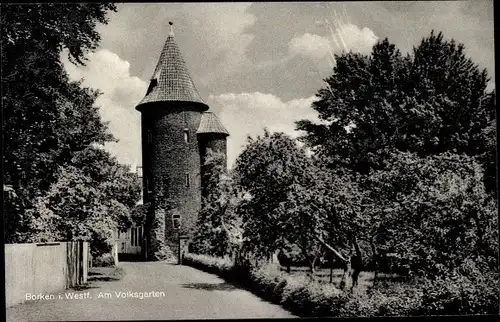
(176, 131)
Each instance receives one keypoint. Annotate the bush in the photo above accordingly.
(459, 293)
(210, 264)
(268, 281)
(299, 294)
(391, 299)
(105, 260)
(361, 305)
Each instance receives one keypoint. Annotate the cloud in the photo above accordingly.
(358, 40)
(345, 37)
(309, 45)
(222, 33)
(243, 114)
(247, 114)
(121, 92)
(491, 86)
(212, 36)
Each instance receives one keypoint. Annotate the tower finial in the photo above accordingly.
(171, 28)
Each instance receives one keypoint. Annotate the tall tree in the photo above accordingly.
(430, 214)
(45, 116)
(428, 102)
(266, 171)
(54, 26)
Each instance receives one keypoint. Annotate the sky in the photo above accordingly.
(260, 64)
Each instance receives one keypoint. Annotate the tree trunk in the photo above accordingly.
(331, 269)
(375, 262)
(313, 264)
(356, 264)
(333, 250)
(347, 267)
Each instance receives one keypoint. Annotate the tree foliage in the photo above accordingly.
(112, 178)
(414, 137)
(92, 198)
(430, 214)
(218, 230)
(431, 101)
(46, 117)
(270, 168)
(55, 26)
(74, 210)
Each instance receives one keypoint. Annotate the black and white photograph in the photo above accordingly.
(237, 160)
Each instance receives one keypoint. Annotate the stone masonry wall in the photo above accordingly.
(169, 162)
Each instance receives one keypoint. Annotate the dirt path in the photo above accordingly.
(167, 291)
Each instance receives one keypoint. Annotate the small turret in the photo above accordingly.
(211, 135)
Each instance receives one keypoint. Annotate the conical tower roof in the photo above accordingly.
(171, 80)
(210, 124)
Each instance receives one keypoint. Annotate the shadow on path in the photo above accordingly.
(83, 287)
(103, 278)
(211, 286)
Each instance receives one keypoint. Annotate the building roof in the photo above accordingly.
(210, 123)
(171, 80)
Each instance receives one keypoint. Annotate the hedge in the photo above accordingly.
(308, 298)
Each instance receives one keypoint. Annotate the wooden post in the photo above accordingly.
(182, 247)
(80, 262)
(331, 269)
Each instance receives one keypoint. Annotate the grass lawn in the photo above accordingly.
(365, 279)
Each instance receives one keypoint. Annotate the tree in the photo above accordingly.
(218, 230)
(91, 198)
(139, 212)
(70, 26)
(323, 219)
(45, 117)
(266, 172)
(115, 180)
(304, 212)
(73, 209)
(432, 213)
(429, 102)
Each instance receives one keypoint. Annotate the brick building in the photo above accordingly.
(177, 130)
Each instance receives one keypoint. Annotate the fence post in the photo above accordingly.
(85, 261)
(80, 262)
(69, 271)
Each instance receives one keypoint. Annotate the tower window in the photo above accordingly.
(152, 85)
(187, 180)
(150, 137)
(186, 135)
(176, 221)
(148, 185)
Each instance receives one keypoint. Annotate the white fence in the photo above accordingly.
(45, 268)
